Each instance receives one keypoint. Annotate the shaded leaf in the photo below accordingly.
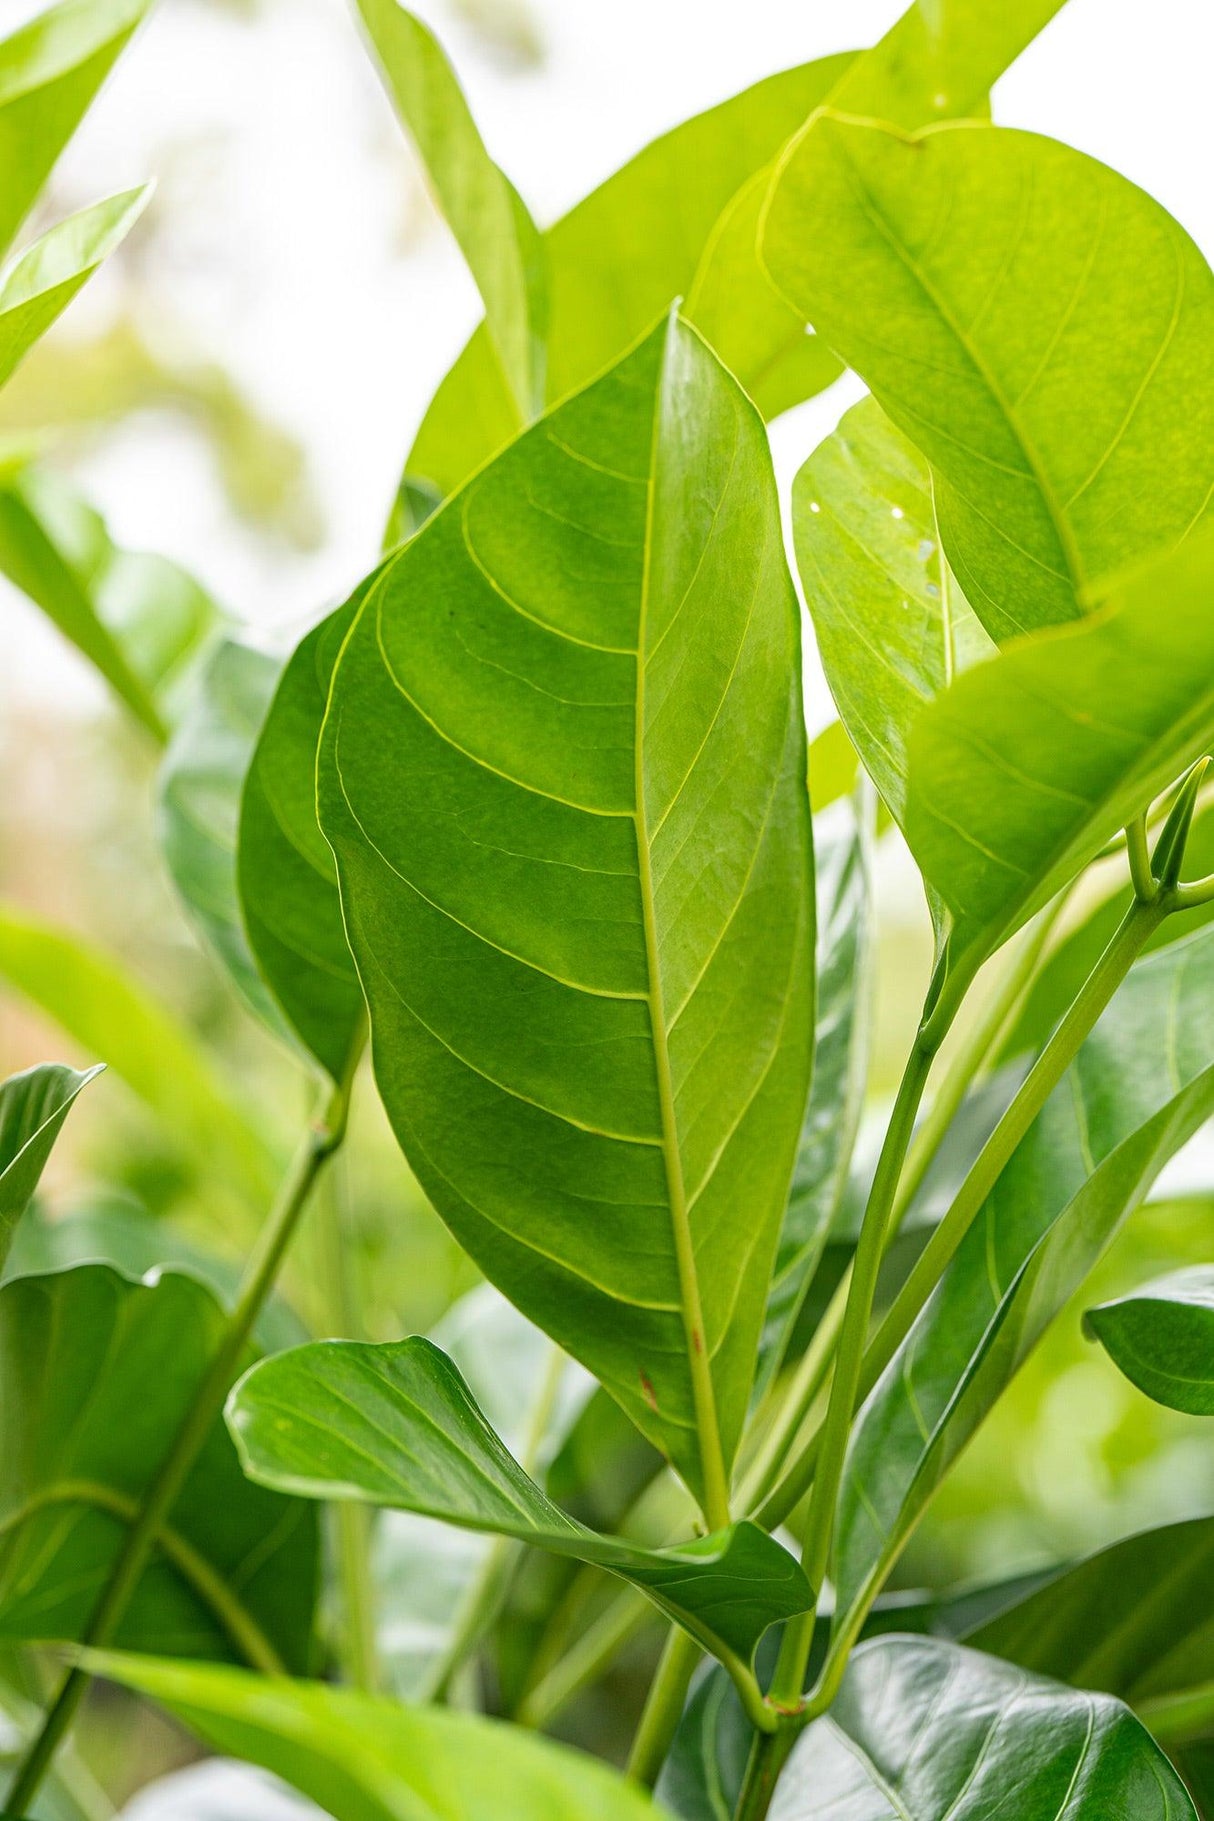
(285, 872)
(33, 1107)
(371, 1760)
(96, 1375)
(1140, 1085)
(923, 1729)
(108, 1013)
(200, 786)
(396, 1425)
(1061, 321)
(572, 835)
(50, 70)
(1162, 1337)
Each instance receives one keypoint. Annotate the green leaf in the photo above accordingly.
(285, 872)
(42, 282)
(371, 1760)
(1140, 1085)
(1162, 1337)
(50, 70)
(396, 1425)
(842, 855)
(925, 1730)
(1028, 764)
(484, 211)
(200, 786)
(109, 1013)
(1035, 323)
(96, 1375)
(138, 618)
(33, 1107)
(577, 880)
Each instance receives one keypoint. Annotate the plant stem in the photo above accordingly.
(664, 1706)
(804, 1384)
(628, 1614)
(769, 1753)
(321, 1141)
(1181, 1717)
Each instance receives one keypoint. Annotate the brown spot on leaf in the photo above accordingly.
(649, 1393)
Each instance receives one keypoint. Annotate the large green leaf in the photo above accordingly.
(96, 1374)
(33, 1107)
(109, 1014)
(923, 1730)
(50, 71)
(1039, 326)
(137, 617)
(842, 855)
(1162, 1338)
(1140, 1085)
(563, 773)
(201, 781)
(485, 212)
(285, 872)
(370, 1760)
(43, 281)
(1029, 763)
(396, 1425)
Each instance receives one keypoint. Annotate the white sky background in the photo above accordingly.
(285, 248)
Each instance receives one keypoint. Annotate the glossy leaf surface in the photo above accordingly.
(1035, 323)
(50, 71)
(39, 285)
(485, 212)
(1024, 769)
(110, 1014)
(33, 1107)
(370, 1760)
(286, 876)
(922, 1730)
(563, 772)
(1139, 1087)
(1162, 1337)
(201, 781)
(396, 1425)
(96, 1374)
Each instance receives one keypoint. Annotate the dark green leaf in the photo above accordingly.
(50, 71)
(396, 1425)
(369, 1760)
(1162, 1337)
(33, 1107)
(578, 884)
(96, 1375)
(285, 872)
(923, 1730)
(1140, 1085)
(1039, 326)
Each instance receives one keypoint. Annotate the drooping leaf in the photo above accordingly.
(96, 1375)
(39, 285)
(371, 1760)
(200, 786)
(396, 1425)
(428, 1574)
(33, 1107)
(842, 844)
(923, 1730)
(485, 212)
(1038, 326)
(563, 772)
(50, 70)
(109, 1014)
(138, 618)
(1029, 763)
(1138, 1088)
(1162, 1337)
(285, 872)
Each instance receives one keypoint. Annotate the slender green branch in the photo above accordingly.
(626, 1616)
(804, 1385)
(1141, 876)
(664, 1706)
(321, 1141)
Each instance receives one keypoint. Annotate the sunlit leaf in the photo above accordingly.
(1162, 1337)
(33, 1107)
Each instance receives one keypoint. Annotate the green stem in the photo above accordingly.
(1182, 1717)
(1139, 853)
(664, 1707)
(599, 1644)
(769, 1752)
(321, 1141)
(803, 1386)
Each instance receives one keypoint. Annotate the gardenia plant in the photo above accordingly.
(529, 815)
